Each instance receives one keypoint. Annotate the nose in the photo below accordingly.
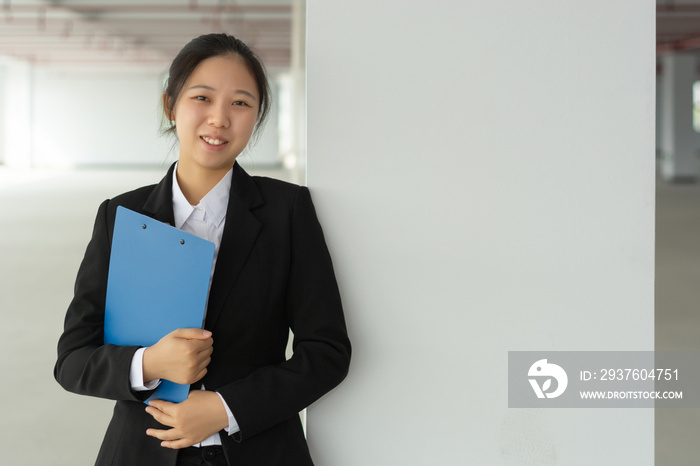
(218, 117)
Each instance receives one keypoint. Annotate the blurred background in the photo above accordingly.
(80, 116)
(677, 211)
(80, 120)
(81, 80)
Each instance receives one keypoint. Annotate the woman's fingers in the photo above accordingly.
(161, 405)
(191, 333)
(171, 438)
(178, 356)
(202, 414)
(163, 434)
(176, 444)
(160, 415)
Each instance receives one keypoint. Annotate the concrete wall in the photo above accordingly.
(679, 141)
(3, 98)
(76, 116)
(16, 108)
(98, 117)
(484, 172)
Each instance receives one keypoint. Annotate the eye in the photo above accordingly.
(240, 103)
(201, 98)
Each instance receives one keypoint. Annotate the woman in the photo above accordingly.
(272, 272)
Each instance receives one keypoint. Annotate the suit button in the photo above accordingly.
(209, 454)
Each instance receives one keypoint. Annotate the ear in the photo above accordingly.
(167, 108)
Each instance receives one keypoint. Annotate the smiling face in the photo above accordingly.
(215, 115)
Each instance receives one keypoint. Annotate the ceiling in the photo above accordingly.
(108, 32)
(677, 25)
(151, 32)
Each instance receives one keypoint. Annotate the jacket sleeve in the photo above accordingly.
(85, 365)
(322, 349)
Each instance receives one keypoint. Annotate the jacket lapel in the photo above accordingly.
(240, 231)
(160, 202)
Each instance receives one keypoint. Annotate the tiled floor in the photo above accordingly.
(677, 306)
(45, 222)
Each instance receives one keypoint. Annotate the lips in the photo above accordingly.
(213, 141)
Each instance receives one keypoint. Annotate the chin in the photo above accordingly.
(218, 164)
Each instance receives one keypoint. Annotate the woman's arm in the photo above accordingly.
(85, 365)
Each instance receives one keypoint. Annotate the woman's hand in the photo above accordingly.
(201, 415)
(182, 356)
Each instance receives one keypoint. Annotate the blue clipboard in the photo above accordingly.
(158, 281)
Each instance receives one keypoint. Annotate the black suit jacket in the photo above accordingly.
(273, 272)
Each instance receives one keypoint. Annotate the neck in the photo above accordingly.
(195, 182)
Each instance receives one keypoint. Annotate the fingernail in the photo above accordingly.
(206, 333)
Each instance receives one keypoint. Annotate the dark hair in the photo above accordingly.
(208, 46)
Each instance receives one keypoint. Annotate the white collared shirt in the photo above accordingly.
(205, 220)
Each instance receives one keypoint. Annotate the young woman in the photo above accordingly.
(272, 272)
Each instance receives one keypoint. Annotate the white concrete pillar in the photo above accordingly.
(679, 153)
(265, 149)
(3, 90)
(482, 189)
(659, 105)
(17, 115)
(297, 158)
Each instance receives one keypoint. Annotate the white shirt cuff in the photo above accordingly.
(232, 424)
(136, 374)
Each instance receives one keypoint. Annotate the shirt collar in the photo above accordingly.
(214, 203)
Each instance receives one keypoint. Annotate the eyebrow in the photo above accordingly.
(209, 88)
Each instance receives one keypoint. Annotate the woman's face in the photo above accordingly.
(215, 114)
